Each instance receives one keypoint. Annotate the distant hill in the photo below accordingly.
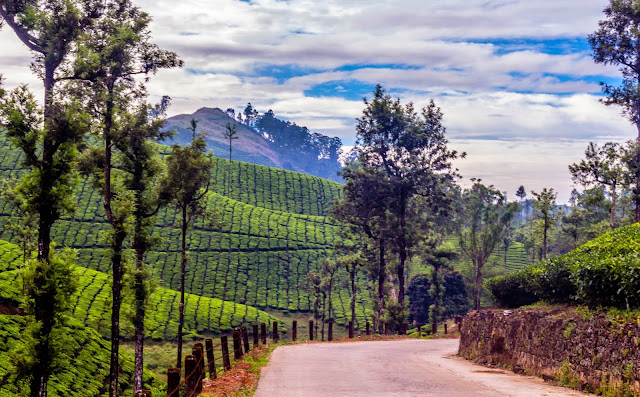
(250, 147)
(263, 140)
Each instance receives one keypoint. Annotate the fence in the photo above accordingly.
(194, 364)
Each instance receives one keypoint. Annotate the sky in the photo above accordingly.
(514, 78)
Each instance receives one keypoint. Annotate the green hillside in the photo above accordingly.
(87, 354)
(272, 230)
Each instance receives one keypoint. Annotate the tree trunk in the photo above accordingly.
(437, 297)
(403, 259)
(637, 188)
(544, 238)
(476, 298)
(139, 247)
(613, 206)
(353, 295)
(116, 292)
(381, 277)
(183, 273)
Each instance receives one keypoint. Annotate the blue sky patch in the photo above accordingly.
(562, 46)
(352, 90)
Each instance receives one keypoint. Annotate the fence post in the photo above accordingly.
(275, 332)
(419, 330)
(226, 362)
(445, 328)
(263, 333)
(211, 362)
(434, 328)
(256, 337)
(368, 328)
(143, 393)
(245, 338)
(404, 328)
(237, 345)
(198, 353)
(190, 376)
(173, 382)
(310, 329)
(294, 331)
(350, 329)
(330, 337)
(386, 328)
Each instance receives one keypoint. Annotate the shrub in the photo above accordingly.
(512, 290)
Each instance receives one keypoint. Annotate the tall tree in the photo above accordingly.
(544, 205)
(410, 151)
(113, 52)
(484, 217)
(617, 42)
(602, 165)
(186, 186)
(362, 209)
(48, 139)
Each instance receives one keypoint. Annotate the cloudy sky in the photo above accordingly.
(514, 78)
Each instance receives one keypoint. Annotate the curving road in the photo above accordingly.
(409, 367)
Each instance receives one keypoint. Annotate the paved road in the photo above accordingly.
(390, 368)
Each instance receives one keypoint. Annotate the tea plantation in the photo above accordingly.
(271, 228)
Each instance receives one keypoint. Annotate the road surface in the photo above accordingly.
(410, 367)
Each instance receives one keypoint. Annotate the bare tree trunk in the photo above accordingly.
(353, 296)
(381, 277)
(613, 206)
(183, 273)
(476, 298)
(116, 292)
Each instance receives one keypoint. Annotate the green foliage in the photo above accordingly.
(84, 353)
(602, 272)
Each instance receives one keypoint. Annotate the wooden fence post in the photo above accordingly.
(143, 393)
(330, 337)
(237, 345)
(173, 382)
(245, 338)
(198, 353)
(434, 328)
(190, 376)
(445, 328)
(226, 362)
(386, 328)
(211, 362)
(294, 331)
(256, 336)
(275, 332)
(350, 329)
(404, 328)
(368, 328)
(310, 329)
(263, 333)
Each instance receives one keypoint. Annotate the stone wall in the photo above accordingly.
(594, 352)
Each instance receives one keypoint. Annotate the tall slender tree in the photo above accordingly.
(186, 186)
(113, 52)
(484, 216)
(48, 137)
(545, 207)
(617, 42)
(410, 150)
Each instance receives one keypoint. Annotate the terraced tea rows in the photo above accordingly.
(88, 368)
(92, 303)
(267, 237)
